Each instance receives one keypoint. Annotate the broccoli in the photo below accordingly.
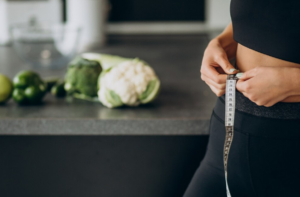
(82, 76)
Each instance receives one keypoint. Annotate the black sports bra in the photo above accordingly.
(271, 27)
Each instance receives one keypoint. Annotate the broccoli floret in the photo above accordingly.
(82, 76)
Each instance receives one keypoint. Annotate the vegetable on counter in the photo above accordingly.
(112, 80)
(107, 61)
(29, 88)
(58, 89)
(51, 81)
(82, 76)
(6, 89)
(125, 81)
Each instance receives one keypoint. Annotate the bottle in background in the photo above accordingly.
(91, 16)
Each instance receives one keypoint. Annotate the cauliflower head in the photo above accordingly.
(128, 83)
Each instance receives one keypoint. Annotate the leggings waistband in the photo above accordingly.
(279, 110)
(260, 126)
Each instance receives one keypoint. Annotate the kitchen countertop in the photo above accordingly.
(183, 107)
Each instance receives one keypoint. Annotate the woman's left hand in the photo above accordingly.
(266, 85)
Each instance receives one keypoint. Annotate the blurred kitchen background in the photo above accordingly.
(77, 148)
(49, 33)
(118, 17)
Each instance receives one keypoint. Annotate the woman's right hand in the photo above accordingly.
(215, 67)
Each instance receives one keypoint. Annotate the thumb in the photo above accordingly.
(226, 65)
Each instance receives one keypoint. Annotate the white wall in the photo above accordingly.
(12, 12)
(19, 12)
(217, 13)
(4, 35)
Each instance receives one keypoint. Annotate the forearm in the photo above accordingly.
(227, 42)
(294, 86)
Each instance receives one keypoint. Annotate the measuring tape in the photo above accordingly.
(229, 121)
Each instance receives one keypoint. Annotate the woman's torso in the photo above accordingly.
(267, 33)
(247, 59)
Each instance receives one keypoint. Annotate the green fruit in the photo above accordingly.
(43, 88)
(151, 92)
(51, 82)
(29, 88)
(33, 94)
(26, 78)
(19, 96)
(58, 90)
(6, 88)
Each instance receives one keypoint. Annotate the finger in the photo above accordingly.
(220, 70)
(216, 91)
(242, 86)
(221, 86)
(247, 75)
(223, 61)
(269, 104)
(212, 73)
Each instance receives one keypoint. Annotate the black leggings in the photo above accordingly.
(264, 159)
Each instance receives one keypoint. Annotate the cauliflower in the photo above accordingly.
(130, 83)
(124, 81)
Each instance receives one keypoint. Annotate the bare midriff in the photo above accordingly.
(247, 59)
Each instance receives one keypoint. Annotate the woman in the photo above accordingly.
(264, 156)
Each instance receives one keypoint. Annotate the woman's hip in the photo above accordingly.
(263, 160)
(279, 121)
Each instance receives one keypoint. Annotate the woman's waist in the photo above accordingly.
(281, 121)
(280, 110)
(247, 59)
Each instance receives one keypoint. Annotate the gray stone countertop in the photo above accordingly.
(183, 107)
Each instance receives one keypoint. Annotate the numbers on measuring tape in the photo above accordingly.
(229, 122)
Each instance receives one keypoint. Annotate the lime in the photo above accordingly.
(19, 96)
(33, 94)
(26, 78)
(58, 89)
(5, 88)
(51, 82)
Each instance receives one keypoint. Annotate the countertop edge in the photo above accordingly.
(75, 127)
